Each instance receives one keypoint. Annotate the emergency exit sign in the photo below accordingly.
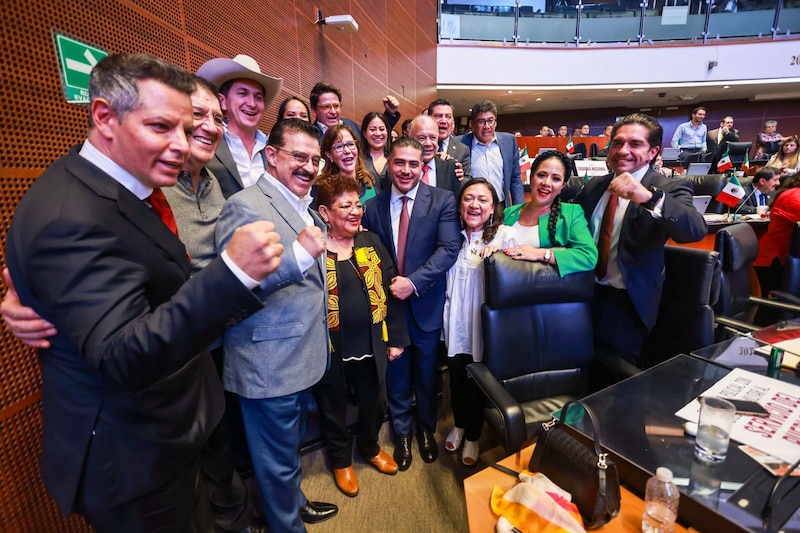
(75, 60)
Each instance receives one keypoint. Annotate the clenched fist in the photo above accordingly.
(256, 248)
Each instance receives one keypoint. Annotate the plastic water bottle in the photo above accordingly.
(660, 503)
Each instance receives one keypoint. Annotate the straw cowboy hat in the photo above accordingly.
(220, 70)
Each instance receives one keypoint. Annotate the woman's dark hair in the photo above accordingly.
(331, 187)
(789, 182)
(369, 117)
(334, 134)
(282, 107)
(555, 208)
(496, 219)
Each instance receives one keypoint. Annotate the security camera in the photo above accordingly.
(662, 95)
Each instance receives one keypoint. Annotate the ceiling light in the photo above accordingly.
(538, 99)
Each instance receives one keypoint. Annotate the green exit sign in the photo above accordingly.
(76, 59)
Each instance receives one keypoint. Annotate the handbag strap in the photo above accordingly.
(595, 430)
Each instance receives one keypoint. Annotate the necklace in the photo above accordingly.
(534, 213)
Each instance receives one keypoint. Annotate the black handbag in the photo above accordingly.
(584, 472)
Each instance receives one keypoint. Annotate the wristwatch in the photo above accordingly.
(547, 255)
(651, 204)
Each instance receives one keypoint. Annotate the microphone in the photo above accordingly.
(766, 512)
(744, 201)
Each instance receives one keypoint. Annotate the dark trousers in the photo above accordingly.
(414, 374)
(275, 428)
(618, 329)
(332, 400)
(466, 397)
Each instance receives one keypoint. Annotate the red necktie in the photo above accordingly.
(402, 236)
(161, 207)
(425, 171)
(604, 242)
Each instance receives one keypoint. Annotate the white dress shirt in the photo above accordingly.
(250, 166)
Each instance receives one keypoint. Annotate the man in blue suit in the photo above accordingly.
(424, 254)
(494, 155)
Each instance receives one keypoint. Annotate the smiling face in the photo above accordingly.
(243, 105)
(547, 180)
(207, 134)
(284, 166)
(151, 141)
(425, 130)
(699, 116)
(295, 109)
(376, 134)
(344, 153)
(344, 214)
(484, 126)
(630, 150)
(329, 109)
(476, 206)
(443, 115)
(405, 168)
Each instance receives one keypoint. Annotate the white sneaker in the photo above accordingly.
(470, 453)
(453, 441)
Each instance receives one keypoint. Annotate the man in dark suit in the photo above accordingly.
(761, 191)
(442, 112)
(326, 101)
(423, 255)
(244, 92)
(631, 213)
(436, 171)
(717, 139)
(494, 155)
(129, 393)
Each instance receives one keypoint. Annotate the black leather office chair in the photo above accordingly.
(538, 344)
(737, 150)
(685, 315)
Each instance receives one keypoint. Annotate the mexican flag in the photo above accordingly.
(570, 145)
(733, 191)
(746, 162)
(525, 165)
(725, 163)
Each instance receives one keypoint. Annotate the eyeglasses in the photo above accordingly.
(216, 118)
(330, 107)
(349, 207)
(300, 158)
(486, 122)
(339, 147)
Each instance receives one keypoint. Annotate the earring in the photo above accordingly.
(491, 219)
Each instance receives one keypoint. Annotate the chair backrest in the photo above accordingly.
(737, 150)
(738, 247)
(711, 185)
(685, 315)
(537, 328)
(791, 266)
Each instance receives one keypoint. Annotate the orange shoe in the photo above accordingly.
(384, 463)
(346, 481)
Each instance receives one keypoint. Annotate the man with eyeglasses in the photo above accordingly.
(273, 358)
(443, 112)
(494, 155)
(244, 92)
(326, 101)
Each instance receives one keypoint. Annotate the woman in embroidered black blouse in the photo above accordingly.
(367, 327)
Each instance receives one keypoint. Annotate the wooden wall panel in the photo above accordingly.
(39, 126)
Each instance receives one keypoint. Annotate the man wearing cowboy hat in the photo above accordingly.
(244, 92)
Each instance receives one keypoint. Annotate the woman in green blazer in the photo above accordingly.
(549, 230)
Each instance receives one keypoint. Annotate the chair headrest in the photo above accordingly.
(511, 283)
(737, 246)
(794, 244)
(692, 275)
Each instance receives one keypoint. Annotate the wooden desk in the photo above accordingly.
(478, 489)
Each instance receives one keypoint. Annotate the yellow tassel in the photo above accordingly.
(385, 331)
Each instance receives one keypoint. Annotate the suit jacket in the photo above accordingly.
(460, 153)
(642, 238)
(357, 129)
(127, 386)
(434, 238)
(512, 182)
(749, 203)
(446, 175)
(224, 168)
(282, 349)
(711, 140)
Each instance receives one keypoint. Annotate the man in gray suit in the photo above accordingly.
(442, 112)
(274, 357)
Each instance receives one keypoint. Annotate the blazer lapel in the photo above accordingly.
(226, 158)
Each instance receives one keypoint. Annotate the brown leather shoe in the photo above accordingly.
(346, 481)
(384, 463)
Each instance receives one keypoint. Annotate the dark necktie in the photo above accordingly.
(161, 207)
(604, 242)
(402, 236)
(441, 146)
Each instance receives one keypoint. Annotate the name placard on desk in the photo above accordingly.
(590, 167)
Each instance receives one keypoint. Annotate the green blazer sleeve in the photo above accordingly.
(574, 248)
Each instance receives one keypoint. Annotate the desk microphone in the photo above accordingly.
(744, 201)
(766, 513)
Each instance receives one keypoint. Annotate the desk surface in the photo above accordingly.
(478, 489)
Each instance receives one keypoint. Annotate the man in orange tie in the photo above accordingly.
(436, 171)
(631, 213)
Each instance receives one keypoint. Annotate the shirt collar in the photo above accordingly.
(301, 205)
(122, 176)
(396, 195)
(477, 142)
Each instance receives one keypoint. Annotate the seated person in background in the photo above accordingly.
(717, 139)
(607, 130)
(658, 166)
(366, 327)
(293, 107)
(576, 132)
(774, 245)
(340, 148)
(544, 131)
(765, 181)
(786, 158)
(769, 135)
(483, 234)
(585, 128)
(562, 130)
(547, 229)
